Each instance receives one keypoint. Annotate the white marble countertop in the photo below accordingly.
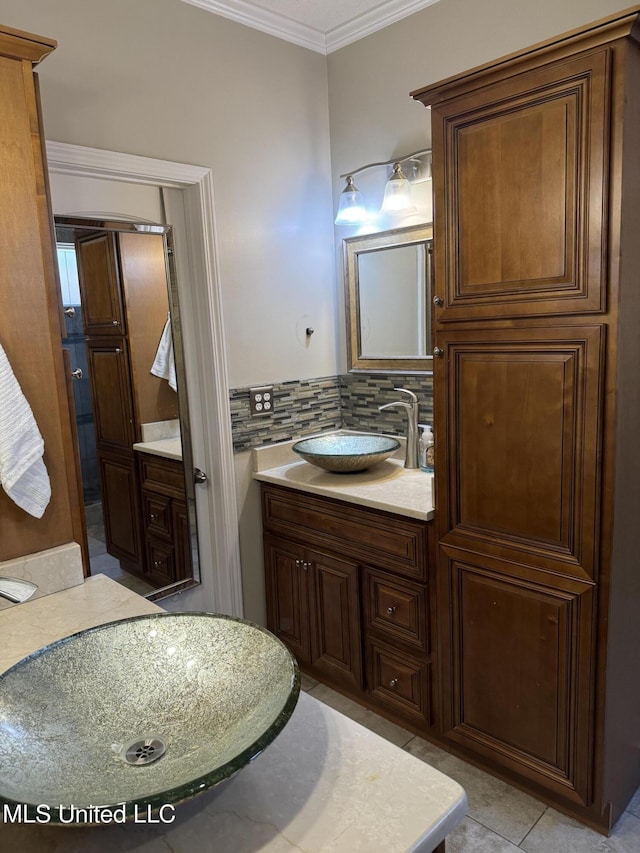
(170, 448)
(388, 486)
(325, 784)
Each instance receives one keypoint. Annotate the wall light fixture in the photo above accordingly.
(397, 199)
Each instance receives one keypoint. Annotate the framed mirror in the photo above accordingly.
(123, 345)
(388, 300)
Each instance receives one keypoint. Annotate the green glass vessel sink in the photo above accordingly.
(141, 713)
(346, 454)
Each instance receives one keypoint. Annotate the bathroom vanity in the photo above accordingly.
(349, 579)
(326, 783)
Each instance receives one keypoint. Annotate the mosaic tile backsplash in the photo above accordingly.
(303, 407)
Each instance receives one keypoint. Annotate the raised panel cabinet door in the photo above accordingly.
(520, 415)
(287, 591)
(521, 191)
(111, 394)
(336, 622)
(521, 669)
(121, 508)
(100, 285)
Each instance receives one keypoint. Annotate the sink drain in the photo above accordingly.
(144, 750)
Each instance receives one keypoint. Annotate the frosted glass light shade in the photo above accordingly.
(397, 194)
(351, 207)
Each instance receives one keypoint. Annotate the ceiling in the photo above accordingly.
(321, 25)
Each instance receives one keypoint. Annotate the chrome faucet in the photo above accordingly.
(16, 590)
(412, 456)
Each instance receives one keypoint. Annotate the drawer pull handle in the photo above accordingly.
(391, 610)
(393, 682)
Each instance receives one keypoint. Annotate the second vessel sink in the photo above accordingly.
(141, 713)
(346, 454)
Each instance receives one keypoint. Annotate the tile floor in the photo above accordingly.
(500, 819)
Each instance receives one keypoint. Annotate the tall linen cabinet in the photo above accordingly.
(536, 170)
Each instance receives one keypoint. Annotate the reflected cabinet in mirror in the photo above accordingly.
(123, 347)
(387, 286)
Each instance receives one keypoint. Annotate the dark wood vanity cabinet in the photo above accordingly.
(537, 413)
(347, 592)
(167, 543)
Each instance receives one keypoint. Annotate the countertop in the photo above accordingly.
(170, 448)
(325, 784)
(388, 486)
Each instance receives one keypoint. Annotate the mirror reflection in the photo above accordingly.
(123, 344)
(387, 284)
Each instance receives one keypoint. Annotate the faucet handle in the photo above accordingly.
(414, 399)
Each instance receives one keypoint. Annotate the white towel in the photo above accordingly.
(23, 473)
(164, 366)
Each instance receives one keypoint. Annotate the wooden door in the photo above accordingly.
(100, 285)
(287, 592)
(111, 392)
(519, 426)
(336, 623)
(121, 508)
(520, 193)
(520, 669)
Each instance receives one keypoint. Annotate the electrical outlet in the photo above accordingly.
(261, 401)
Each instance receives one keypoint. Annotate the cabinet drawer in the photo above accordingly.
(396, 608)
(160, 562)
(399, 682)
(387, 540)
(156, 513)
(165, 476)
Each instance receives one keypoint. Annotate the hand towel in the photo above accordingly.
(164, 366)
(23, 474)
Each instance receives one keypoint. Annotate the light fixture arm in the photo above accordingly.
(391, 162)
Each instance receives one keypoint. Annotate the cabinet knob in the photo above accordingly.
(199, 476)
(393, 682)
(157, 564)
(153, 516)
(298, 564)
(69, 312)
(115, 322)
(438, 352)
(438, 300)
(77, 373)
(306, 566)
(391, 610)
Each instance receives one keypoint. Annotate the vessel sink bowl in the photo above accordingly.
(346, 454)
(140, 713)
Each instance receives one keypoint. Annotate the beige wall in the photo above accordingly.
(162, 78)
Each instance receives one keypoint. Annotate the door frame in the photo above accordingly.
(205, 357)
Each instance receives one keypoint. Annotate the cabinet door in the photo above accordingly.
(99, 285)
(521, 672)
(336, 623)
(521, 193)
(120, 502)
(287, 588)
(111, 394)
(519, 421)
(181, 540)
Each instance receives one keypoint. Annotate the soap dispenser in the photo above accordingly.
(426, 448)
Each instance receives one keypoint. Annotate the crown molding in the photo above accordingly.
(250, 15)
(371, 22)
(267, 22)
